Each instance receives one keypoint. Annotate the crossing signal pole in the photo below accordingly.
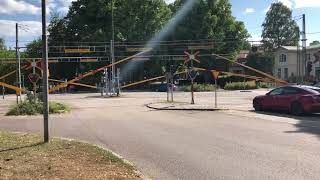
(304, 47)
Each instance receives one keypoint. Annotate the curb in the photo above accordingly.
(183, 109)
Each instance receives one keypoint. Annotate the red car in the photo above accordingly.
(297, 100)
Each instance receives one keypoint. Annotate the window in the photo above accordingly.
(286, 75)
(283, 58)
(279, 73)
(291, 90)
(276, 92)
(318, 72)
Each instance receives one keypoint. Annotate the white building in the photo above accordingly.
(287, 60)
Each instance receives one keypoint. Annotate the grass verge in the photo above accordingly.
(197, 88)
(23, 156)
(36, 107)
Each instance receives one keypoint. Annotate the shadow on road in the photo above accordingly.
(22, 147)
(308, 117)
(305, 124)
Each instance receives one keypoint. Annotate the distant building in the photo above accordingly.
(242, 59)
(287, 59)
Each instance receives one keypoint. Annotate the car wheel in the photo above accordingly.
(297, 109)
(257, 106)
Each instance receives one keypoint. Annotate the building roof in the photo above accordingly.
(294, 48)
(314, 47)
(242, 54)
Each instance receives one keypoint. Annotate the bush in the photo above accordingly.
(241, 85)
(198, 88)
(264, 85)
(36, 107)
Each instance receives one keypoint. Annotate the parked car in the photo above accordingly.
(297, 100)
(317, 85)
(164, 88)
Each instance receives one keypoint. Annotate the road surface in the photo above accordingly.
(187, 145)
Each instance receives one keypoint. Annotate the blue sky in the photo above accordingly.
(251, 12)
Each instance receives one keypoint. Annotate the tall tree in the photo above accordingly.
(212, 19)
(279, 29)
(34, 49)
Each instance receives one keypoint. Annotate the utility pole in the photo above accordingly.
(304, 47)
(45, 74)
(112, 48)
(18, 80)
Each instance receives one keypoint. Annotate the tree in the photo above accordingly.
(314, 43)
(34, 49)
(57, 29)
(91, 20)
(260, 61)
(279, 29)
(212, 19)
(2, 44)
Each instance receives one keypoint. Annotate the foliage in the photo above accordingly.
(211, 19)
(34, 49)
(241, 85)
(260, 61)
(279, 29)
(36, 107)
(197, 88)
(313, 43)
(6, 68)
(91, 20)
(264, 85)
(140, 20)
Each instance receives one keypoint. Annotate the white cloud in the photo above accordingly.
(21, 7)
(28, 28)
(267, 9)
(288, 3)
(169, 1)
(249, 11)
(307, 3)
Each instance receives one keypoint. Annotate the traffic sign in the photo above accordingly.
(192, 73)
(34, 78)
(192, 57)
(215, 74)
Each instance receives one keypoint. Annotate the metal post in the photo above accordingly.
(192, 82)
(17, 56)
(168, 88)
(304, 46)
(118, 82)
(33, 66)
(45, 73)
(3, 91)
(106, 82)
(113, 71)
(215, 94)
(171, 80)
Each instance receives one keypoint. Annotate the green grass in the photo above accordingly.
(198, 88)
(24, 156)
(36, 107)
(241, 85)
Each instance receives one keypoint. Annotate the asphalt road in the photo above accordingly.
(187, 145)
